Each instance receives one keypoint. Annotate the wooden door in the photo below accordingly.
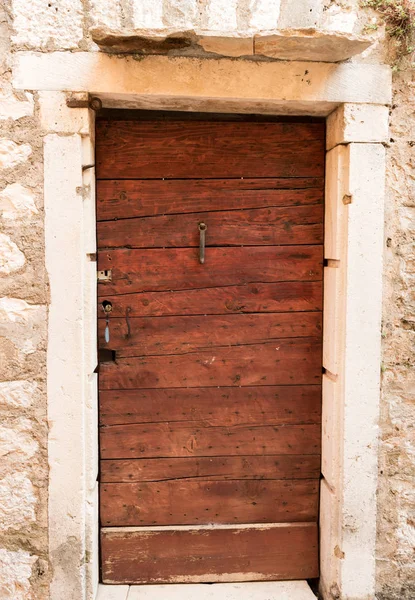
(210, 383)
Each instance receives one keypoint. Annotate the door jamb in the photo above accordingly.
(356, 130)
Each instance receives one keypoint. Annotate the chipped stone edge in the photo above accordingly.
(287, 44)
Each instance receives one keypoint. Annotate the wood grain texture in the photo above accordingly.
(283, 362)
(146, 149)
(146, 198)
(179, 268)
(206, 468)
(248, 298)
(257, 227)
(273, 552)
(203, 502)
(266, 405)
(154, 440)
(210, 411)
(178, 335)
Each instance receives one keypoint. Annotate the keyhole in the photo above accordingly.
(107, 306)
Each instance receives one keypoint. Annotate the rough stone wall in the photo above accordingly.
(396, 495)
(23, 323)
(47, 25)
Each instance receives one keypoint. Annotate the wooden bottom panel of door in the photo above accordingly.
(210, 345)
(246, 553)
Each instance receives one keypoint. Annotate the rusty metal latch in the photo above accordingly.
(202, 242)
(107, 308)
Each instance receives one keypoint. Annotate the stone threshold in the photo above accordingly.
(315, 45)
(261, 590)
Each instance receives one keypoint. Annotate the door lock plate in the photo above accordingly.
(104, 275)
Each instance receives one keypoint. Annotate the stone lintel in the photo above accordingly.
(185, 83)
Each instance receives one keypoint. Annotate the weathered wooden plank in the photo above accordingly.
(179, 268)
(176, 335)
(216, 468)
(283, 362)
(259, 297)
(201, 422)
(250, 553)
(258, 227)
(266, 405)
(202, 502)
(144, 198)
(154, 440)
(178, 149)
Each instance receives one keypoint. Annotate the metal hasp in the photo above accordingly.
(202, 232)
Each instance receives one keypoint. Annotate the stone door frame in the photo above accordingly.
(354, 98)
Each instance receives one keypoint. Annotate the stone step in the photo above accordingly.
(261, 590)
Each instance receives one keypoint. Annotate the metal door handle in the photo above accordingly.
(202, 241)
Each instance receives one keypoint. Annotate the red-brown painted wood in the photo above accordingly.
(258, 227)
(250, 553)
(249, 298)
(210, 411)
(266, 405)
(154, 440)
(177, 335)
(128, 198)
(202, 502)
(148, 150)
(206, 468)
(179, 268)
(283, 362)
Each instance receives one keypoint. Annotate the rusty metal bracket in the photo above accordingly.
(95, 103)
(83, 100)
